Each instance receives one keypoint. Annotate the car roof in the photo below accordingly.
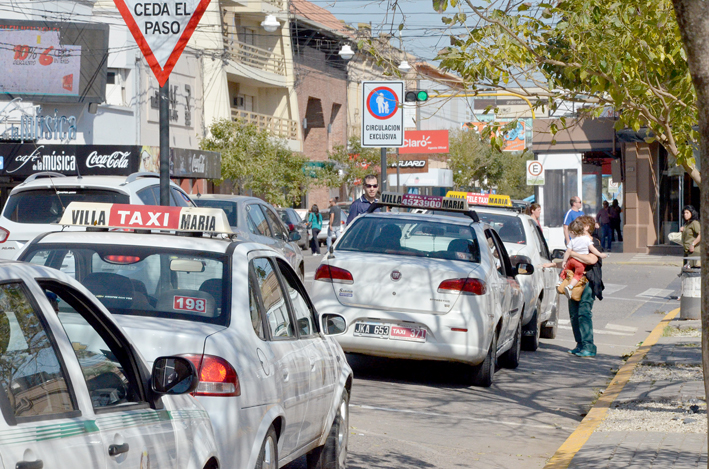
(233, 198)
(122, 183)
(501, 211)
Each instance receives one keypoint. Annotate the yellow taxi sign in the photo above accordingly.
(490, 200)
(146, 217)
(435, 202)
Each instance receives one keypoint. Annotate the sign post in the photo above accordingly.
(162, 31)
(383, 118)
(535, 173)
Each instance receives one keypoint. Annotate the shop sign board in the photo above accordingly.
(425, 141)
(383, 116)
(535, 173)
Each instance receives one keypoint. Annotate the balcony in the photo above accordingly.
(277, 3)
(256, 57)
(276, 126)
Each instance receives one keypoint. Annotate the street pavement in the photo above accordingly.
(418, 414)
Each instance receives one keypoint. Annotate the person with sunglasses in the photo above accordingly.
(362, 204)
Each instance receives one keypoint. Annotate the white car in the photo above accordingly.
(275, 387)
(36, 205)
(425, 287)
(74, 391)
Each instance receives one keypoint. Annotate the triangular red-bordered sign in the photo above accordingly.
(162, 72)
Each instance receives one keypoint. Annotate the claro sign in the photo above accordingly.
(425, 141)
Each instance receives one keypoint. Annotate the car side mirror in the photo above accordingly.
(525, 269)
(173, 375)
(294, 236)
(519, 259)
(558, 254)
(333, 324)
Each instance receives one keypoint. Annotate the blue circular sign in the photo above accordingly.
(382, 102)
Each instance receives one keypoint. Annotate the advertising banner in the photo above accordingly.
(515, 140)
(425, 141)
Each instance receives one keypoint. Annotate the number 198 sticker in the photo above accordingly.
(186, 303)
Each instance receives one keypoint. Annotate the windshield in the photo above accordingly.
(145, 281)
(228, 206)
(407, 237)
(509, 227)
(47, 205)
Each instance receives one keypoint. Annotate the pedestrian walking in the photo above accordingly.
(535, 211)
(573, 213)
(614, 213)
(691, 233)
(604, 221)
(315, 224)
(581, 312)
(335, 226)
(361, 205)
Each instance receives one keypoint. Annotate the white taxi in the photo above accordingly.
(74, 390)
(428, 287)
(275, 387)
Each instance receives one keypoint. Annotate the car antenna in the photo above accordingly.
(56, 192)
(78, 174)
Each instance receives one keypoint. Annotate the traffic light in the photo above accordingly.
(416, 96)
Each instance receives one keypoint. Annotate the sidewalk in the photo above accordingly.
(653, 414)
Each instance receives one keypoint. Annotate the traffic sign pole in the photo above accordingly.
(165, 143)
(383, 183)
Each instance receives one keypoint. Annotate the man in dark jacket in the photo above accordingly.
(362, 204)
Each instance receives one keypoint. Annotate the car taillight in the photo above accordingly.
(328, 273)
(472, 286)
(291, 226)
(216, 376)
(4, 234)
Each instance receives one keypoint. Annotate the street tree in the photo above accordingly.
(350, 164)
(624, 56)
(256, 161)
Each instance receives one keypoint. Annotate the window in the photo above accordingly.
(304, 316)
(228, 206)
(63, 260)
(180, 199)
(497, 256)
(255, 312)
(509, 227)
(104, 367)
(47, 205)
(277, 227)
(30, 370)
(257, 221)
(147, 196)
(543, 248)
(273, 300)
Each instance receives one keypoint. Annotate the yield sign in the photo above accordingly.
(162, 29)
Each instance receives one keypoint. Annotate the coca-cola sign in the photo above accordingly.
(117, 159)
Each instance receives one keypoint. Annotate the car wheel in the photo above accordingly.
(482, 374)
(550, 326)
(510, 359)
(530, 339)
(268, 456)
(333, 454)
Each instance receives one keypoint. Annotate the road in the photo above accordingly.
(418, 414)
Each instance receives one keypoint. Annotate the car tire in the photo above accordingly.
(333, 454)
(481, 375)
(510, 359)
(268, 456)
(530, 339)
(550, 326)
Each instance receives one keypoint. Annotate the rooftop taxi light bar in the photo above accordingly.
(489, 200)
(431, 202)
(146, 217)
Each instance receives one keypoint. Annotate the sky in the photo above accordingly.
(423, 33)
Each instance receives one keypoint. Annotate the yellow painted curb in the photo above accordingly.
(573, 444)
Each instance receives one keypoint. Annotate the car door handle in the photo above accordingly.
(115, 450)
(38, 464)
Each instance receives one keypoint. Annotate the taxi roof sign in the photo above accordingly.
(435, 202)
(490, 200)
(146, 217)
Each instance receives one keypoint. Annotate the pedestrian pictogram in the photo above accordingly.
(162, 29)
(535, 173)
(383, 119)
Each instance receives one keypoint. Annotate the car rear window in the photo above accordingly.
(509, 227)
(228, 206)
(408, 237)
(47, 205)
(145, 281)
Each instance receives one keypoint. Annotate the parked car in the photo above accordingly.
(36, 205)
(295, 224)
(252, 219)
(75, 391)
(276, 388)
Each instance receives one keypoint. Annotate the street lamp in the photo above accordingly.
(270, 24)
(346, 53)
(404, 66)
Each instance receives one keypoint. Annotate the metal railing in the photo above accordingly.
(256, 57)
(277, 126)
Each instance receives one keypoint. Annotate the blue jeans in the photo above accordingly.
(337, 232)
(606, 236)
(581, 315)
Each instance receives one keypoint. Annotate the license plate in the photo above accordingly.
(415, 334)
(371, 330)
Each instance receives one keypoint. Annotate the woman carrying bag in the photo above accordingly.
(691, 236)
(315, 223)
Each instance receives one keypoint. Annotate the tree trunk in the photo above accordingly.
(693, 19)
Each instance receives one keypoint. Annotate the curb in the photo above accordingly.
(573, 444)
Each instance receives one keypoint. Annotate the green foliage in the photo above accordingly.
(624, 55)
(350, 165)
(478, 165)
(256, 161)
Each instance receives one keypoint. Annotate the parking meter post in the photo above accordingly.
(383, 182)
(165, 143)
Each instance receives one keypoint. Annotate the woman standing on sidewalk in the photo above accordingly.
(691, 236)
(315, 223)
(581, 312)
